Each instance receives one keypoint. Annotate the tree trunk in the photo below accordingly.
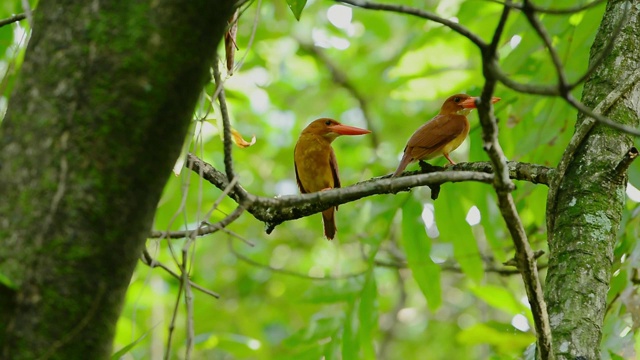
(591, 197)
(94, 125)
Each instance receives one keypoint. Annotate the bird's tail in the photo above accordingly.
(406, 160)
(329, 221)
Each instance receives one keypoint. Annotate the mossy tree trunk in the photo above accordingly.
(94, 125)
(591, 197)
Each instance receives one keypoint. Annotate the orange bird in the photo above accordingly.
(316, 165)
(442, 134)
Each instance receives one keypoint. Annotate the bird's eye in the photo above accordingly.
(328, 122)
(456, 99)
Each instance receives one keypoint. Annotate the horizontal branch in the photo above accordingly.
(274, 211)
(12, 19)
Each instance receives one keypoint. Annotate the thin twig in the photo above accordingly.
(226, 125)
(541, 10)
(402, 9)
(205, 229)
(188, 297)
(148, 260)
(529, 12)
(254, 29)
(172, 324)
(12, 19)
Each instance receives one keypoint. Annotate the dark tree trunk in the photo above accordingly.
(94, 125)
(591, 198)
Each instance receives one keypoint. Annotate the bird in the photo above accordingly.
(316, 165)
(442, 134)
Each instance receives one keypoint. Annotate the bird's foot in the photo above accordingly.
(451, 162)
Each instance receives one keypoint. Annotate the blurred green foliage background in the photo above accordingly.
(294, 295)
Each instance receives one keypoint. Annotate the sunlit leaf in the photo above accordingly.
(350, 343)
(367, 315)
(504, 337)
(450, 217)
(118, 354)
(417, 247)
(6, 281)
(296, 7)
(499, 298)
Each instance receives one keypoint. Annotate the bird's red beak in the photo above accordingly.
(347, 130)
(470, 103)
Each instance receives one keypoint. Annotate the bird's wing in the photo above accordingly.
(302, 190)
(435, 134)
(295, 165)
(333, 163)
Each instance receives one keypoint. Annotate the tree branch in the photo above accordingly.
(529, 12)
(226, 124)
(541, 10)
(148, 260)
(578, 137)
(12, 19)
(460, 29)
(504, 187)
(274, 211)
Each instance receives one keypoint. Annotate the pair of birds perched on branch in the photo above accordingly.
(315, 162)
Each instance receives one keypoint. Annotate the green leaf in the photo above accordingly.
(499, 298)
(334, 291)
(367, 315)
(296, 7)
(450, 217)
(116, 355)
(504, 337)
(615, 356)
(4, 280)
(350, 343)
(320, 327)
(236, 344)
(417, 247)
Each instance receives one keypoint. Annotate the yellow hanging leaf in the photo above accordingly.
(237, 138)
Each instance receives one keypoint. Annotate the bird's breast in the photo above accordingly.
(457, 141)
(312, 158)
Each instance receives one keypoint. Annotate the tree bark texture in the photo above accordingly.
(591, 197)
(94, 125)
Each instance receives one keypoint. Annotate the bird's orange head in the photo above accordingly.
(331, 129)
(461, 104)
